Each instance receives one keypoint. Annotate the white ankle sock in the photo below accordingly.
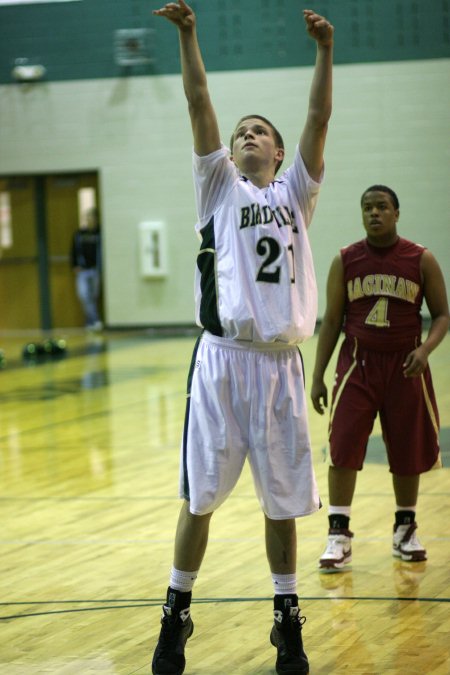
(285, 584)
(342, 510)
(182, 581)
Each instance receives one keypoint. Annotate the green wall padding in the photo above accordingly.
(75, 40)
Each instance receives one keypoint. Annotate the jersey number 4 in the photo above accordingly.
(378, 314)
(270, 250)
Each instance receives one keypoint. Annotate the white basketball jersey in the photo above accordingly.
(255, 277)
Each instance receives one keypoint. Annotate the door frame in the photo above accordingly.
(41, 231)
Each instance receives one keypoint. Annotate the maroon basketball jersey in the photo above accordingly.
(384, 294)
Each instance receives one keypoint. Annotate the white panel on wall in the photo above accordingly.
(153, 249)
(132, 46)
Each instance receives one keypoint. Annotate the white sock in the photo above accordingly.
(405, 508)
(285, 584)
(182, 581)
(342, 510)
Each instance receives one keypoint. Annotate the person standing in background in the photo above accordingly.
(375, 292)
(86, 263)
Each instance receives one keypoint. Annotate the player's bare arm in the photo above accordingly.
(312, 141)
(436, 298)
(205, 129)
(329, 332)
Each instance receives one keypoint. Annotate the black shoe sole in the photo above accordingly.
(292, 670)
(297, 669)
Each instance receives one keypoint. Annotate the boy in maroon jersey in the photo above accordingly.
(375, 291)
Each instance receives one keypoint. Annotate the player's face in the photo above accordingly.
(254, 145)
(379, 218)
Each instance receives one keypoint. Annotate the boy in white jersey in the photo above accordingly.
(256, 299)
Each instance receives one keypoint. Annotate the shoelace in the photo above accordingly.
(410, 535)
(333, 543)
(291, 627)
(412, 540)
(169, 632)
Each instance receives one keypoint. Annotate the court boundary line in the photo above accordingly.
(137, 603)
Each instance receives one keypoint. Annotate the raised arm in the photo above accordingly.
(329, 332)
(203, 117)
(312, 141)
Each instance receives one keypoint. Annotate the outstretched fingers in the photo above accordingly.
(178, 13)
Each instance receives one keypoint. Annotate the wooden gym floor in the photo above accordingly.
(88, 497)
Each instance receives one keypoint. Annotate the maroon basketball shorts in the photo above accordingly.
(368, 383)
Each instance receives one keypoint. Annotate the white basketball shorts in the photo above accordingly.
(247, 400)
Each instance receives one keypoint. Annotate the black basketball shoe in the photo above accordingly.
(176, 628)
(286, 636)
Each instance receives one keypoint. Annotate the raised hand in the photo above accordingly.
(179, 13)
(319, 28)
